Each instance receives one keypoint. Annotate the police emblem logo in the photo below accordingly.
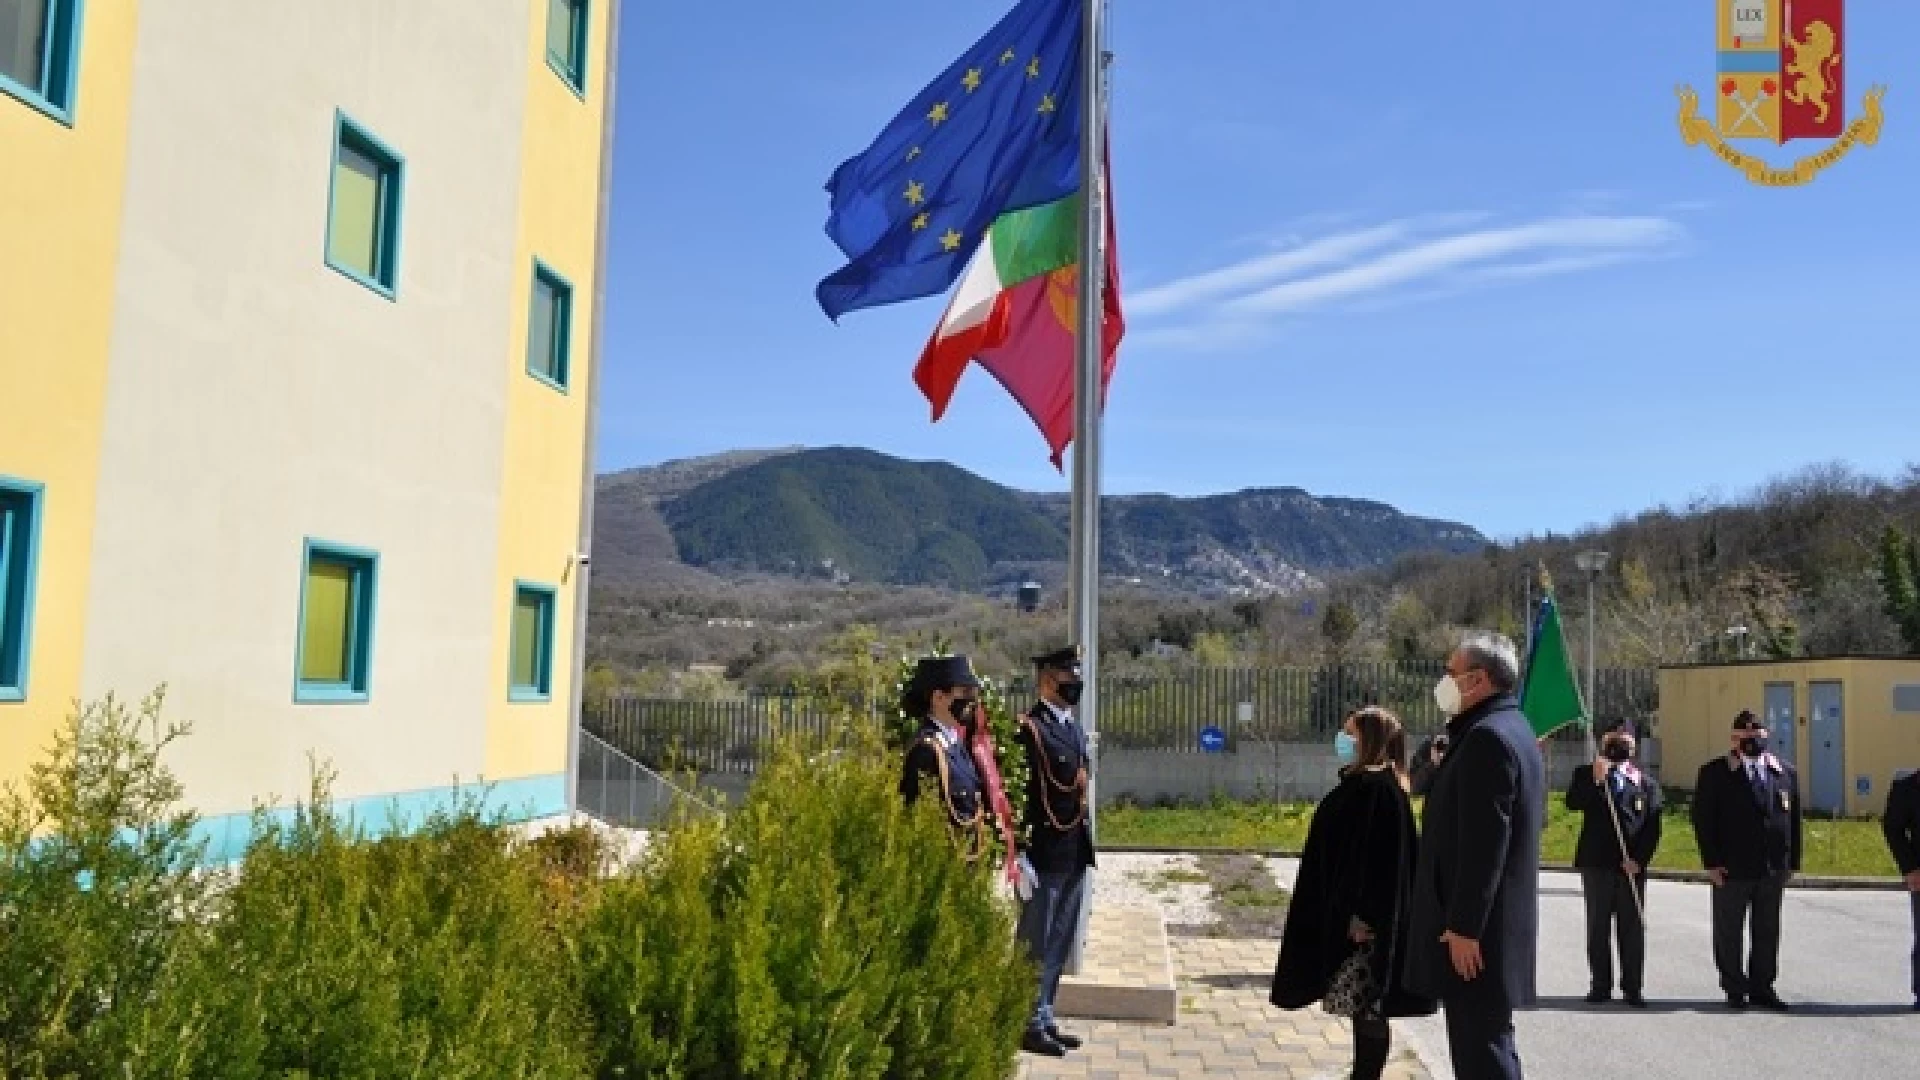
(1781, 77)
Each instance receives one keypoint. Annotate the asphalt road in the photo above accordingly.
(1843, 968)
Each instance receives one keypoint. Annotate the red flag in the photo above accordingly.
(1024, 332)
(1036, 361)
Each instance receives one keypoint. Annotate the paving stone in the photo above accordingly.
(1224, 1028)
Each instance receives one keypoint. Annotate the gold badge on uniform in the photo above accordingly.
(1784, 803)
(1639, 804)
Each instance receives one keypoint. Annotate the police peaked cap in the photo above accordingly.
(940, 672)
(1067, 660)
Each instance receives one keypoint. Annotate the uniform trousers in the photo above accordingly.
(1731, 904)
(1048, 922)
(1611, 912)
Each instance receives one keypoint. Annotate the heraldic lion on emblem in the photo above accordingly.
(1812, 59)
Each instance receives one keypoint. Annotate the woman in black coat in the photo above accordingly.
(1352, 893)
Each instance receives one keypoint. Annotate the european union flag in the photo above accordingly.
(998, 131)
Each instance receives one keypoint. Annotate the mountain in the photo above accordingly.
(630, 538)
(850, 514)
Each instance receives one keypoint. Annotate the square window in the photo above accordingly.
(550, 327)
(363, 208)
(19, 551)
(40, 52)
(567, 42)
(336, 623)
(530, 659)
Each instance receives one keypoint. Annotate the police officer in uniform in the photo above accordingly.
(946, 696)
(1059, 848)
(1613, 862)
(1746, 816)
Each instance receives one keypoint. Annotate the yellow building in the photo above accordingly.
(298, 335)
(1849, 725)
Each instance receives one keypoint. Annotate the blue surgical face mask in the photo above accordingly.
(1344, 747)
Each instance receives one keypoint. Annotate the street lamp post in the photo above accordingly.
(1739, 636)
(1592, 563)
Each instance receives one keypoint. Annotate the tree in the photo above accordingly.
(1337, 627)
(1648, 628)
(1213, 649)
(1765, 599)
(1900, 581)
(1413, 635)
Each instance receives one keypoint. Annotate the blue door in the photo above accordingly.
(1826, 724)
(1780, 721)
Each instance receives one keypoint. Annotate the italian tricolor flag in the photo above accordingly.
(1015, 310)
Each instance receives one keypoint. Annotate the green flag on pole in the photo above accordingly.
(1550, 693)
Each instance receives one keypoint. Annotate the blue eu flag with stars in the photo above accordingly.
(998, 131)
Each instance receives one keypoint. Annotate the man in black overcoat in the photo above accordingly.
(1746, 817)
(1059, 847)
(1901, 823)
(1476, 895)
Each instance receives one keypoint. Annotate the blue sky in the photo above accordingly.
(1452, 257)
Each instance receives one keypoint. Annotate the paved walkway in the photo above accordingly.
(1226, 1029)
(1843, 967)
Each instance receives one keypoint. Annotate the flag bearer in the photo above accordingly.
(1615, 848)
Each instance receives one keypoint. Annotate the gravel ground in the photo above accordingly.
(1137, 879)
(1199, 896)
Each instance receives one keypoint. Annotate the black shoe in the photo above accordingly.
(1071, 1042)
(1036, 1041)
(1633, 999)
(1769, 1001)
(1599, 997)
(1916, 1004)
(1736, 1001)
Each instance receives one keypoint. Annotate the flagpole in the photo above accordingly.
(1084, 555)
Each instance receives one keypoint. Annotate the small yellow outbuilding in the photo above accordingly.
(1848, 724)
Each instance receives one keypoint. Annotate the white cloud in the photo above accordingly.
(1408, 260)
(1423, 262)
(1313, 255)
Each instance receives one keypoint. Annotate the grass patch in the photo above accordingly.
(1840, 848)
(1218, 824)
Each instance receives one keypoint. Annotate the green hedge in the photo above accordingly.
(818, 931)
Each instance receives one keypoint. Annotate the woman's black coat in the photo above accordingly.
(1358, 863)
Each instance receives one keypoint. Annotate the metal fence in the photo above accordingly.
(1162, 711)
(620, 791)
(725, 736)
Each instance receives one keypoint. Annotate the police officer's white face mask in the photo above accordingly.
(1446, 694)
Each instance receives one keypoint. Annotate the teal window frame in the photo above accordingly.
(572, 71)
(541, 689)
(558, 349)
(21, 504)
(358, 685)
(390, 205)
(59, 64)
